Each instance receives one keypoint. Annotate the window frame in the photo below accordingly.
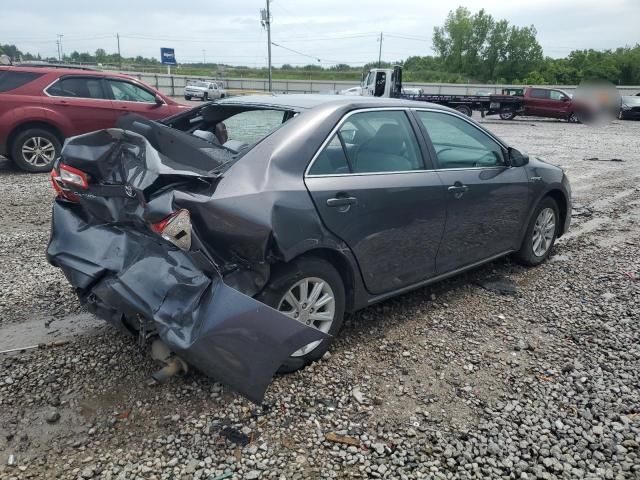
(432, 150)
(109, 92)
(423, 148)
(45, 90)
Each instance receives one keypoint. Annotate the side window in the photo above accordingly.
(459, 144)
(381, 141)
(10, 80)
(77, 87)
(252, 126)
(539, 93)
(128, 92)
(556, 95)
(331, 160)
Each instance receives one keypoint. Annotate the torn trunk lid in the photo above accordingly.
(104, 240)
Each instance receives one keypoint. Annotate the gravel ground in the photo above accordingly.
(453, 381)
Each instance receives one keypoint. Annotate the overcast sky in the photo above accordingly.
(330, 30)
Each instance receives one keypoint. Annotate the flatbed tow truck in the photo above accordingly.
(530, 101)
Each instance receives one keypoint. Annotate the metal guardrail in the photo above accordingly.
(174, 84)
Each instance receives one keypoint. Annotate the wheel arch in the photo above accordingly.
(33, 124)
(339, 261)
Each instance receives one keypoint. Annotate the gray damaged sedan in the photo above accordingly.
(239, 233)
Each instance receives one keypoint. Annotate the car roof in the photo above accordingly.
(63, 71)
(305, 101)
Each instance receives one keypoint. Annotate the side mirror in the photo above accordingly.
(159, 100)
(516, 158)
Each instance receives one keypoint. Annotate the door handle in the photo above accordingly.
(341, 201)
(458, 189)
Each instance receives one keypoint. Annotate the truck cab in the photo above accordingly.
(383, 82)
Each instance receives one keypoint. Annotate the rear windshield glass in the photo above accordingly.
(12, 80)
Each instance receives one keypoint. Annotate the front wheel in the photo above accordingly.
(574, 118)
(205, 97)
(35, 149)
(310, 291)
(541, 233)
(187, 97)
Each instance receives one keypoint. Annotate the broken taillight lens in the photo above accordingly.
(60, 189)
(176, 228)
(73, 176)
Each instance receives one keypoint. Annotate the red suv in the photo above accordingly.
(41, 106)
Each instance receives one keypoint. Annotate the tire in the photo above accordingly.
(574, 118)
(508, 115)
(465, 109)
(528, 255)
(187, 97)
(205, 97)
(284, 279)
(222, 95)
(37, 140)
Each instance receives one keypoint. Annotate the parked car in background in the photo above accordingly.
(629, 108)
(313, 205)
(204, 91)
(42, 106)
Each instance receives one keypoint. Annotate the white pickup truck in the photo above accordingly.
(204, 91)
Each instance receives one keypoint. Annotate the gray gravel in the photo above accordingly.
(454, 381)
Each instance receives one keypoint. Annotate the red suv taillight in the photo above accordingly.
(176, 228)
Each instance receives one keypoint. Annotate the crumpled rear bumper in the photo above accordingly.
(225, 334)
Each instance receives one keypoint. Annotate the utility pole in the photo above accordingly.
(119, 56)
(380, 51)
(204, 56)
(266, 22)
(59, 42)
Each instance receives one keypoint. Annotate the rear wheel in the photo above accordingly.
(508, 115)
(541, 233)
(205, 97)
(310, 291)
(465, 109)
(35, 149)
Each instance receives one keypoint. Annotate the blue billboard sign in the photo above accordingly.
(168, 56)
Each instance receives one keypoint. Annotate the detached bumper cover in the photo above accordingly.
(222, 332)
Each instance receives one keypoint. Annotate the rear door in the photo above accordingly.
(486, 199)
(537, 102)
(83, 101)
(129, 97)
(373, 189)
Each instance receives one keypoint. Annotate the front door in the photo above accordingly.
(373, 190)
(486, 199)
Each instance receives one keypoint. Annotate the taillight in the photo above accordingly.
(60, 189)
(73, 176)
(176, 228)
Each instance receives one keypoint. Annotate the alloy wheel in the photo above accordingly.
(544, 231)
(38, 151)
(310, 301)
